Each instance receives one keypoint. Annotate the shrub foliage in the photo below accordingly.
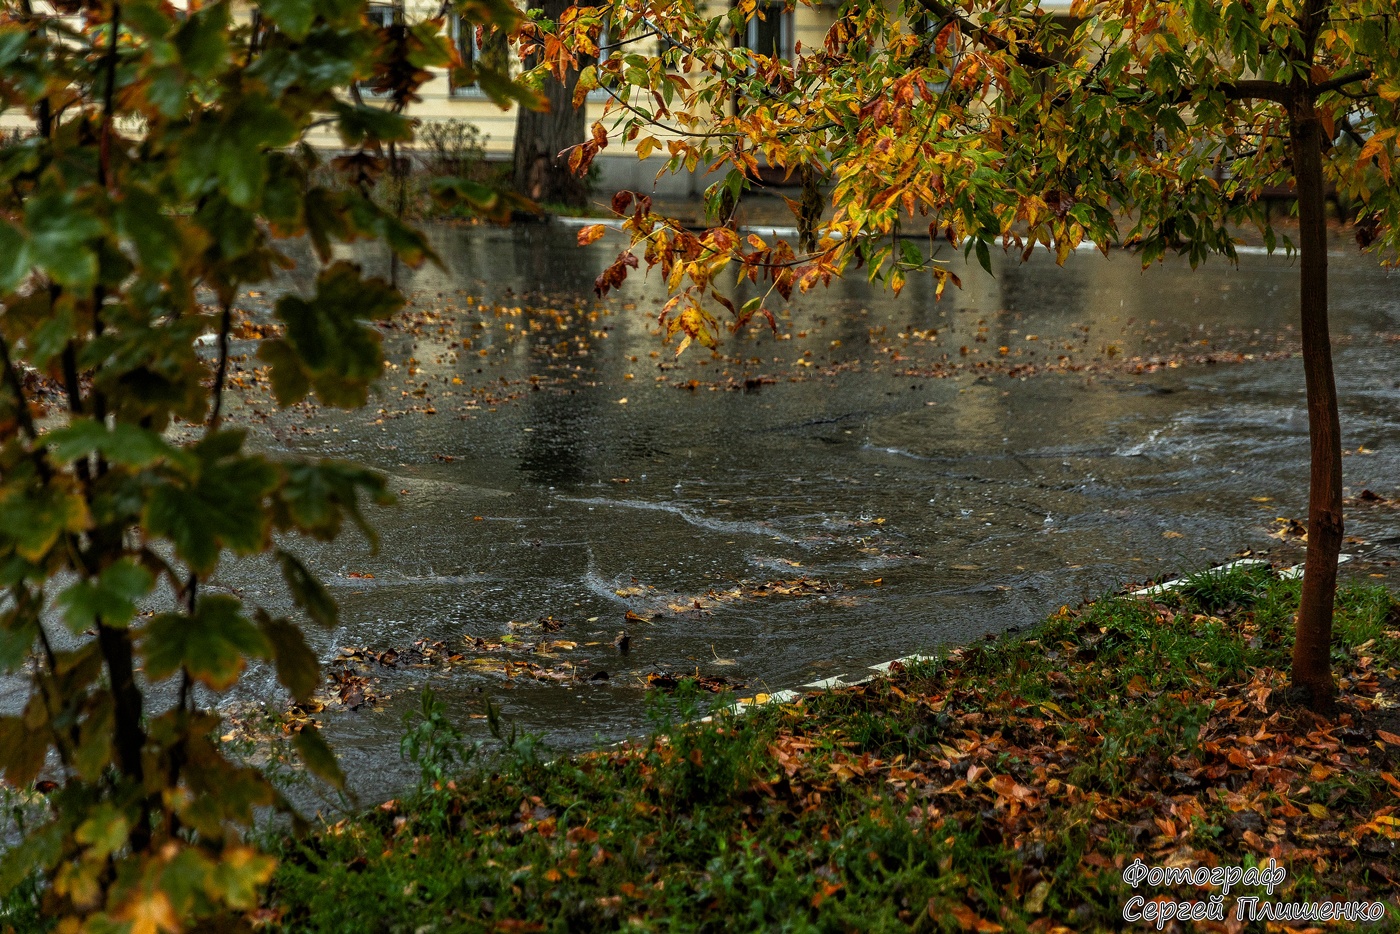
(164, 160)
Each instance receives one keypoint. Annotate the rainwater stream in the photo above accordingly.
(933, 471)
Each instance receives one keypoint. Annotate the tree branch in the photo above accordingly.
(108, 93)
(1027, 57)
(221, 374)
(1339, 82)
(1253, 90)
(12, 377)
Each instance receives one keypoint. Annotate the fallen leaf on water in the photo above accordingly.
(712, 683)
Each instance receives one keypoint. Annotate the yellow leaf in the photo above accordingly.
(150, 914)
(590, 233)
(239, 874)
(1317, 810)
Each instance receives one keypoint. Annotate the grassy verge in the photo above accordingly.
(1004, 787)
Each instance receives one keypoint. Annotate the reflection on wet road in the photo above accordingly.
(939, 470)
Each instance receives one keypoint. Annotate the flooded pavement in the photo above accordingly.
(896, 475)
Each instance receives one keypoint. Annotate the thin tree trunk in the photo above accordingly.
(1312, 646)
(540, 172)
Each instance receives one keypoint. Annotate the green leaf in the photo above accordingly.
(359, 124)
(317, 498)
(38, 852)
(221, 507)
(17, 637)
(241, 171)
(239, 874)
(93, 751)
(202, 41)
(111, 597)
(34, 518)
(451, 191)
(142, 220)
(104, 832)
(307, 591)
(51, 336)
(293, 17)
(290, 381)
(984, 257)
(185, 879)
(14, 257)
(123, 443)
(167, 89)
(297, 666)
(213, 645)
(60, 231)
(336, 352)
(318, 756)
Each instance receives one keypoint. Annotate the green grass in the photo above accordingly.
(1003, 785)
(843, 812)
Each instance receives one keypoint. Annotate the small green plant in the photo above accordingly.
(432, 742)
(1219, 589)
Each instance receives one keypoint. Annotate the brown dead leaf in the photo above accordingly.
(967, 919)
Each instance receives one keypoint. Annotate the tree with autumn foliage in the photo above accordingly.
(539, 168)
(1155, 124)
(159, 169)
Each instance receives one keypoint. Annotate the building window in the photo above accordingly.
(464, 38)
(770, 30)
(382, 16)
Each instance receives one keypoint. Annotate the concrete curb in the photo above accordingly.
(851, 680)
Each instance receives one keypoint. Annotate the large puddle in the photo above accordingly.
(899, 474)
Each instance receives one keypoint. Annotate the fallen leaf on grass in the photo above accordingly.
(967, 919)
(1035, 899)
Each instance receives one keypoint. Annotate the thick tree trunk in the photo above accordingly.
(541, 173)
(1312, 646)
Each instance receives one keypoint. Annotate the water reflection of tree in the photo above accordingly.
(566, 424)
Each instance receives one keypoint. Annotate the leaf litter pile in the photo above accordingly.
(533, 650)
(1003, 787)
